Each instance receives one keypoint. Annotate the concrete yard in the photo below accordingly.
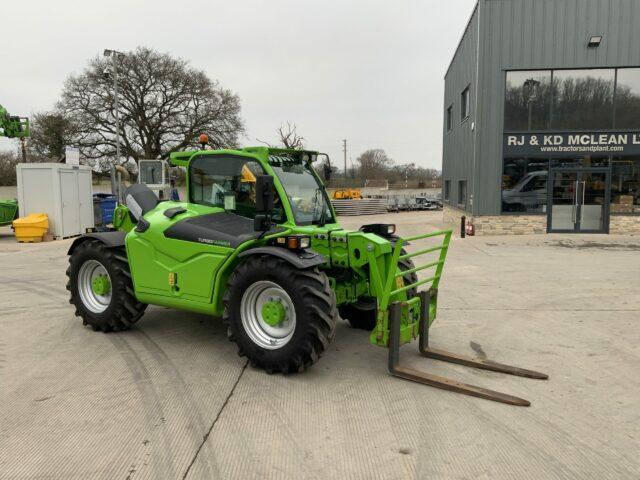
(170, 399)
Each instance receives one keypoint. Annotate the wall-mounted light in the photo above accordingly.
(594, 41)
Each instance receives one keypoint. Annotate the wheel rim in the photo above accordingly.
(260, 298)
(94, 286)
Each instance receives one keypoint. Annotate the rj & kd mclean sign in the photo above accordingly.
(571, 144)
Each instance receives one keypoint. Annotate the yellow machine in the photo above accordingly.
(347, 194)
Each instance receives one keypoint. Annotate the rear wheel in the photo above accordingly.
(281, 318)
(101, 288)
(362, 314)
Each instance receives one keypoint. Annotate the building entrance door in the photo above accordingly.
(578, 200)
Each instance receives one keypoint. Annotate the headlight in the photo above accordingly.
(382, 229)
(294, 242)
(305, 242)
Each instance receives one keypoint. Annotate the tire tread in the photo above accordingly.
(127, 309)
(321, 313)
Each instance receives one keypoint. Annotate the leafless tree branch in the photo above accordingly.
(164, 105)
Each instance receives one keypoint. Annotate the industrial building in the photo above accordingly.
(542, 118)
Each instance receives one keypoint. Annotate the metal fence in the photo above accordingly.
(365, 206)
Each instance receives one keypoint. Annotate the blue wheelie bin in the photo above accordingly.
(103, 206)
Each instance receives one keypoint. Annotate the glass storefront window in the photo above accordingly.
(595, 161)
(542, 100)
(527, 100)
(524, 185)
(587, 161)
(583, 99)
(524, 182)
(587, 101)
(628, 98)
(625, 185)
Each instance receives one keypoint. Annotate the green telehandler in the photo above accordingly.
(13, 126)
(257, 243)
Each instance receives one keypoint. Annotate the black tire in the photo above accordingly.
(410, 277)
(362, 314)
(314, 303)
(123, 309)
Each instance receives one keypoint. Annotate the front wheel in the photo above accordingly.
(282, 318)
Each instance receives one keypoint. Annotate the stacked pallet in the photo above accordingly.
(365, 206)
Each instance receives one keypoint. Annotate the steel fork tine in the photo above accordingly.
(395, 317)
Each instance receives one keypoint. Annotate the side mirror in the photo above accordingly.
(326, 170)
(264, 193)
(265, 197)
(326, 167)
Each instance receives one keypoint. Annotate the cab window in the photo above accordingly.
(225, 181)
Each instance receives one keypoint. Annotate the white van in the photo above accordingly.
(529, 194)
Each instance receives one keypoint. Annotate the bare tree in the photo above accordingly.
(289, 137)
(374, 163)
(51, 132)
(164, 105)
(8, 162)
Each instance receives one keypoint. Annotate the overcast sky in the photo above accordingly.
(369, 71)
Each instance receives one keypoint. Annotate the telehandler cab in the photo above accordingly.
(257, 243)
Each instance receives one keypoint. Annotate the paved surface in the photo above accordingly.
(171, 399)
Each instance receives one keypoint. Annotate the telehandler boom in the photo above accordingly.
(12, 126)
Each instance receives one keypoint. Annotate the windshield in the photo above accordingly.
(306, 196)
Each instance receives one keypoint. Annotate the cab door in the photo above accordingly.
(177, 269)
(185, 267)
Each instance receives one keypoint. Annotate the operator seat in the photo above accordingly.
(140, 199)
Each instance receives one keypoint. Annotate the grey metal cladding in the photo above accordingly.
(458, 143)
(531, 34)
